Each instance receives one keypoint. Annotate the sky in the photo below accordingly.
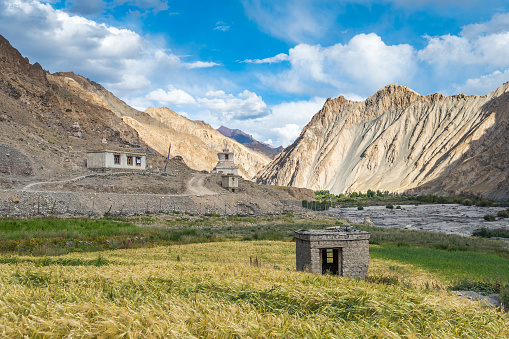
(264, 66)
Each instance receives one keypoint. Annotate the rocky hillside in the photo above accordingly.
(195, 141)
(250, 142)
(398, 140)
(45, 129)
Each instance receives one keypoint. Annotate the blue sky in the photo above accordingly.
(264, 66)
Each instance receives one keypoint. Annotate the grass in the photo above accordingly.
(489, 233)
(211, 291)
(64, 228)
(432, 240)
(51, 236)
(450, 266)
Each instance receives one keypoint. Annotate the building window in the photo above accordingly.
(226, 156)
(138, 161)
(116, 159)
(130, 160)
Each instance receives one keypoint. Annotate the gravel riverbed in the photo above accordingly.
(450, 219)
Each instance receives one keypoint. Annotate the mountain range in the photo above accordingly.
(400, 141)
(50, 120)
(396, 140)
(248, 141)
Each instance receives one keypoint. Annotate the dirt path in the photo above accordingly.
(27, 187)
(196, 186)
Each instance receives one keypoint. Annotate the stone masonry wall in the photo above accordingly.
(354, 254)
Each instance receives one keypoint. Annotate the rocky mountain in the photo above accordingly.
(250, 142)
(48, 121)
(195, 141)
(45, 129)
(400, 141)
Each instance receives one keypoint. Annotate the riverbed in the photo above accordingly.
(446, 218)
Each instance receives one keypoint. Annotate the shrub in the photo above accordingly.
(489, 217)
(483, 287)
(484, 203)
(389, 206)
(504, 297)
(503, 214)
(383, 279)
(486, 233)
(360, 208)
(467, 202)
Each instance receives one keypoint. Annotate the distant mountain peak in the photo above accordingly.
(249, 141)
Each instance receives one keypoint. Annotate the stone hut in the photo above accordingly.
(119, 159)
(342, 251)
(225, 165)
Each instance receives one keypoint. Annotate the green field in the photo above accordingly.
(198, 282)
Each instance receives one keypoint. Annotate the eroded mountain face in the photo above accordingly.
(398, 140)
(195, 141)
(52, 119)
(45, 129)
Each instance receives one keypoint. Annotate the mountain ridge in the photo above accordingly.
(396, 140)
(250, 142)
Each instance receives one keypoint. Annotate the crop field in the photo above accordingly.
(222, 277)
(211, 290)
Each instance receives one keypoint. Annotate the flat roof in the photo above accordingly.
(332, 233)
(116, 151)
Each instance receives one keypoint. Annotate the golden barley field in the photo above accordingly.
(210, 290)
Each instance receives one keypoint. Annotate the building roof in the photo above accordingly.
(332, 233)
(120, 150)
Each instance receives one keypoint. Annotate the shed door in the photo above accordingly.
(331, 261)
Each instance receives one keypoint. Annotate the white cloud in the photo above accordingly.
(118, 57)
(287, 134)
(364, 64)
(130, 82)
(297, 20)
(246, 105)
(499, 23)
(221, 26)
(86, 7)
(172, 97)
(212, 94)
(201, 64)
(275, 59)
(296, 112)
(485, 44)
(268, 127)
(155, 6)
(484, 84)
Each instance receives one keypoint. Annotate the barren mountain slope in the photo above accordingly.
(195, 141)
(46, 129)
(398, 140)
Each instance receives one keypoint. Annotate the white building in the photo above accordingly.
(121, 159)
(225, 165)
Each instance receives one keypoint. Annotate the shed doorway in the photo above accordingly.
(331, 261)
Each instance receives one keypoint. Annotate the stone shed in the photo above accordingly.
(342, 251)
